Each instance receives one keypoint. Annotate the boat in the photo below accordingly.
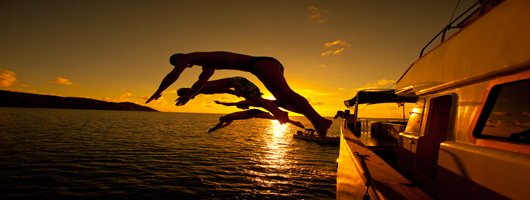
(468, 133)
(364, 161)
(327, 140)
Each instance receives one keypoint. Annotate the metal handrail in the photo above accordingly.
(448, 27)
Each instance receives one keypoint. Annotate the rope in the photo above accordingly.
(454, 12)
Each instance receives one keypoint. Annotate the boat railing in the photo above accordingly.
(365, 125)
(450, 25)
(399, 120)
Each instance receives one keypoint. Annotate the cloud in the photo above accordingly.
(316, 103)
(502, 113)
(230, 99)
(380, 82)
(501, 128)
(495, 123)
(365, 88)
(106, 99)
(125, 97)
(522, 123)
(313, 92)
(143, 98)
(209, 103)
(170, 92)
(526, 114)
(376, 85)
(337, 42)
(7, 78)
(384, 82)
(64, 81)
(316, 15)
(14, 90)
(335, 52)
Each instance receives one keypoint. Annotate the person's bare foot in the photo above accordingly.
(322, 127)
(282, 117)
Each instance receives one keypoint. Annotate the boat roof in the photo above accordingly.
(375, 96)
(494, 43)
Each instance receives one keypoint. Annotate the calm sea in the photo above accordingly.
(92, 154)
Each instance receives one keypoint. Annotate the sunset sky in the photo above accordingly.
(119, 50)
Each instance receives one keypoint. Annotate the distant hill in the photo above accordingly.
(27, 100)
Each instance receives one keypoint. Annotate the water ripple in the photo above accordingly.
(54, 153)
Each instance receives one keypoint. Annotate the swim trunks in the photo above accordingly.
(254, 60)
(243, 85)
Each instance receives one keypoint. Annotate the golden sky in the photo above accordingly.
(119, 50)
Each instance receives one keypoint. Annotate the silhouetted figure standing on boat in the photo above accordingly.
(350, 120)
(268, 70)
(247, 114)
(339, 114)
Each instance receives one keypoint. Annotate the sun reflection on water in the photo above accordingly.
(276, 146)
(274, 161)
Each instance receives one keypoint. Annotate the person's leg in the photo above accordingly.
(284, 106)
(296, 123)
(227, 119)
(268, 116)
(280, 115)
(271, 75)
(253, 94)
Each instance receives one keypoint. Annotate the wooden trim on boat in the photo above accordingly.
(503, 145)
(362, 173)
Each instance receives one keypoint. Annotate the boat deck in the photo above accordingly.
(384, 146)
(378, 141)
(364, 174)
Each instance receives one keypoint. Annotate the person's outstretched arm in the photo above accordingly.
(203, 78)
(226, 103)
(221, 124)
(168, 80)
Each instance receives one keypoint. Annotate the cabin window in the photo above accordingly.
(506, 113)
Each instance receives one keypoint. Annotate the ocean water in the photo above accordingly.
(94, 154)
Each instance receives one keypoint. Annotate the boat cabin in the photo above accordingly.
(468, 135)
